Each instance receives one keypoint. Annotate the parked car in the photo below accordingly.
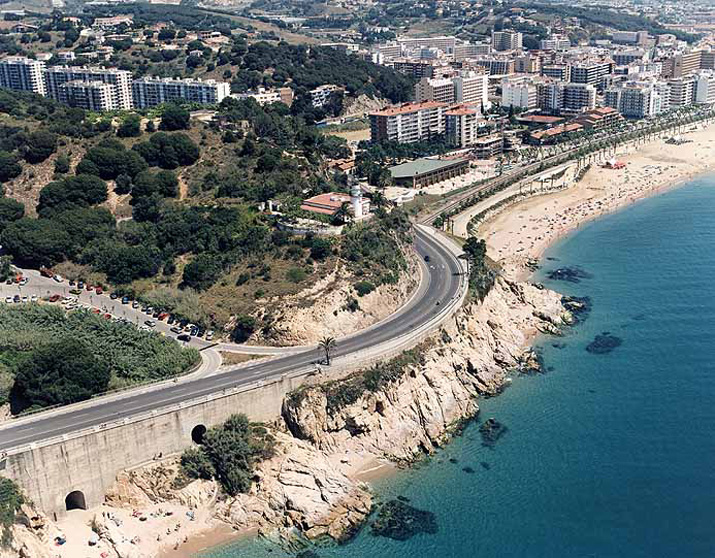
(54, 298)
(135, 304)
(114, 296)
(209, 335)
(46, 272)
(125, 300)
(24, 281)
(16, 299)
(150, 323)
(175, 330)
(171, 320)
(58, 278)
(33, 298)
(184, 337)
(80, 284)
(8, 299)
(163, 316)
(98, 290)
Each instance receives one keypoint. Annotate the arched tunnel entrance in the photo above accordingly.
(75, 501)
(197, 434)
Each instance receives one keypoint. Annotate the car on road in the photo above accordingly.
(427, 258)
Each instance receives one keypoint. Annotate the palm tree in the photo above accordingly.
(327, 344)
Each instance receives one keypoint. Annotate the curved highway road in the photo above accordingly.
(442, 284)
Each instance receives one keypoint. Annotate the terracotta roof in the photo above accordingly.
(407, 108)
(325, 203)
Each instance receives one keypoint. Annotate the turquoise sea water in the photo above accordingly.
(607, 455)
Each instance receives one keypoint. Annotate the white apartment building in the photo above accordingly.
(625, 57)
(120, 80)
(591, 73)
(682, 90)
(23, 74)
(705, 88)
(638, 99)
(630, 37)
(472, 88)
(555, 42)
(149, 92)
(443, 43)
(506, 40)
(559, 72)
(321, 95)
(461, 126)
(407, 123)
(469, 50)
(557, 97)
(519, 92)
(88, 95)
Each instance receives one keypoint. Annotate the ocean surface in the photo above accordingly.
(606, 455)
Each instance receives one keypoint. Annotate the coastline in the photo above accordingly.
(650, 169)
(515, 236)
(522, 232)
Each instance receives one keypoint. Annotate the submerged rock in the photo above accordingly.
(468, 470)
(485, 465)
(491, 430)
(396, 520)
(569, 274)
(577, 306)
(453, 460)
(604, 343)
(308, 554)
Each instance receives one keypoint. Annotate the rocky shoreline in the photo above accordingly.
(396, 412)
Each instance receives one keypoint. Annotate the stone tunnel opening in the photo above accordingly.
(197, 434)
(75, 501)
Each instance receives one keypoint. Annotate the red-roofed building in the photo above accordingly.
(551, 135)
(330, 203)
(599, 118)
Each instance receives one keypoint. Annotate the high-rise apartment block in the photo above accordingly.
(120, 80)
(23, 74)
(149, 92)
(506, 40)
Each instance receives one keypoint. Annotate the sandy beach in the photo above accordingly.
(521, 232)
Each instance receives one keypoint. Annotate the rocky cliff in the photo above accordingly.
(416, 410)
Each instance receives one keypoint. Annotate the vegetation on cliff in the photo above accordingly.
(348, 390)
(11, 498)
(229, 453)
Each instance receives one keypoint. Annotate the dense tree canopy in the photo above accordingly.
(62, 371)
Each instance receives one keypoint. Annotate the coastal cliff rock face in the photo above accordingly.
(300, 489)
(30, 536)
(324, 309)
(471, 355)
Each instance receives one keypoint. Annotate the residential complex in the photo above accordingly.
(23, 74)
(149, 92)
(408, 123)
(99, 88)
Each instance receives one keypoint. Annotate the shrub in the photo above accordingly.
(230, 453)
(296, 275)
(243, 329)
(363, 288)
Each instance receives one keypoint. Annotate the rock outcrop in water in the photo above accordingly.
(400, 521)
